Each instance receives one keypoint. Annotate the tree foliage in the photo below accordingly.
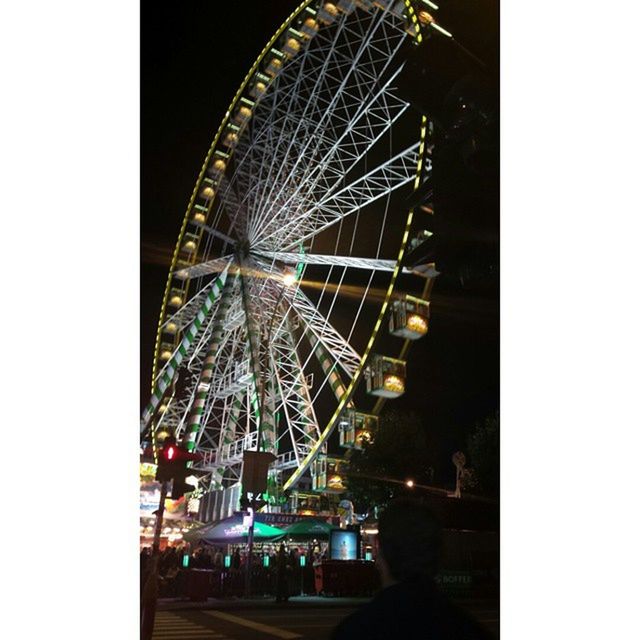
(399, 451)
(483, 445)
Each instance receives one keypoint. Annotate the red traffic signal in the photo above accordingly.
(172, 460)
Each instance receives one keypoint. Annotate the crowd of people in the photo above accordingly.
(409, 604)
(279, 574)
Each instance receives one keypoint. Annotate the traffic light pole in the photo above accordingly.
(159, 517)
(249, 556)
(150, 592)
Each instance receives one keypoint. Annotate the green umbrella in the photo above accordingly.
(233, 531)
(308, 529)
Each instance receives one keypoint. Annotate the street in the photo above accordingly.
(287, 621)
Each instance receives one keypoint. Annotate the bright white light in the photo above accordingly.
(409, 483)
(192, 480)
(288, 279)
(430, 4)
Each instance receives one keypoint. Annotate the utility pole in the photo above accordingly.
(150, 591)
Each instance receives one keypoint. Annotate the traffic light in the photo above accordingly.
(166, 460)
(172, 465)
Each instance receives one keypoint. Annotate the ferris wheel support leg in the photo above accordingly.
(266, 422)
(167, 375)
(206, 373)
(328, 368)
(228, 434)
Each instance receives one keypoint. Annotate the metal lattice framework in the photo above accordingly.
(309, 169)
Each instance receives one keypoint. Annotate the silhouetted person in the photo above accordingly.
(282, 587)
(409, 605)
(235, 563)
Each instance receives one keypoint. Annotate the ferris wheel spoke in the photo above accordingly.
(167, 373)
(253, 310)
(292, 97)
(232, 205)
(294, 393)
(379, 182)
(228, 433)
(265, 132)
(340, 103)
(205, 268)
(186, 313)
(374, 116)
(215, 233)
(333, 342)
(328, 82)
(370, 264)
(206, 368)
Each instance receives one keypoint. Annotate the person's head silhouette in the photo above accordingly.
(409, 537)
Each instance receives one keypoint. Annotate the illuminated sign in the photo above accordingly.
(343, 545)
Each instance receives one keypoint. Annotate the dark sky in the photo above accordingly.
(194, 56)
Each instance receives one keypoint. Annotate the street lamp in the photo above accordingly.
(409, 484)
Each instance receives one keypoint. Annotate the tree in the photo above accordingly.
(483, 445)
(399, 451)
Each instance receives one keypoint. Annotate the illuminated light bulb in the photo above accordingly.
(219, 165)
(331, 8)
(176, 301)
(409, 483)
(424, 17)
(417, 323)
(394, 383)
(199, 217)
(293, 45)
(165, 355)
(171, 327)
(288, 279)
(310, 23)
(207, 192)
(190, 245)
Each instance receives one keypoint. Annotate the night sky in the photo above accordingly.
(194, 56)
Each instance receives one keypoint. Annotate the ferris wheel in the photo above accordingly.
(291, 248)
